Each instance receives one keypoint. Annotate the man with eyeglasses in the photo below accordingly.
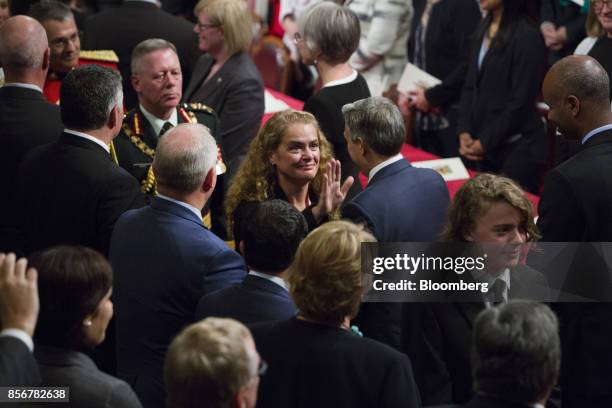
(65, 44)
(213, 363)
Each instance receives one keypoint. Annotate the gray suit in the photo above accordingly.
(89, 387)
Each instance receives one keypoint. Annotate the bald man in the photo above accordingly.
(27, 120)
(576, 206)
(165, 260)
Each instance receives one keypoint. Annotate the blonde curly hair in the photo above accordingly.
(256, 179)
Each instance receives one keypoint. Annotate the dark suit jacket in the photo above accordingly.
(164, 262)
(447, 42)
(71, 192)
(89, 387)
(253, 300)
(401, 203)
(121, 29)
(26, 121)
(575, 207)
(315, 365)
(498, 100)
(492, 401)
(438, 338)
(236, 93)
(17, 364)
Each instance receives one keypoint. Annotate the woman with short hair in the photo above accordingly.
(328, 35)
(315, 359)
(75, 285)
(290, 159)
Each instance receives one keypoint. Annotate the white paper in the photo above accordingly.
(414, 77)
(273, 104)
(450, 169)
(579, 2)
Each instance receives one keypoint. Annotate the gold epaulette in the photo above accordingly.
(100, 55)
(197, 106)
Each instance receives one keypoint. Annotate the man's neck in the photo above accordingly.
(595, 123)
(101, 134)
(161, 113)
(25, 78)
(195, 199)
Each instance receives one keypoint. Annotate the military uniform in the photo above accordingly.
(104, 58)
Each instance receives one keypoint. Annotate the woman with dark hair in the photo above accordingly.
(328, 35)
(499, 127)
(75, 285)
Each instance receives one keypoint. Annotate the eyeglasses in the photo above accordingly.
(297, 38)
(202, 27)
(598, 4)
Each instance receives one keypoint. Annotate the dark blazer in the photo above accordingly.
(89, 387)
(401, 203)
(253, 300)
(438, 338)
(164, 262)
(315, 365)
(447, 43)
(326, 105)
(574, 207)
(236, 93)
(27, 120)
(498, 101)
(121, 29)
(71, 192)
(492, 401)
(17, 365)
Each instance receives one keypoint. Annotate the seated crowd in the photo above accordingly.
(167, 242)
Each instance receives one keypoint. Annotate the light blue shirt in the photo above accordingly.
(279, 281)
(596, 131)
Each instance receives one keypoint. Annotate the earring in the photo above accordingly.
(315, 61)
(87, 323)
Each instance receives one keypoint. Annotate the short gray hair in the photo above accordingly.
(378, 122)
(516, 351)
(146, 47)
(87, 96)
(23, 42)
(330, 29)
(207, 364)
(50, 10)
(184, 156)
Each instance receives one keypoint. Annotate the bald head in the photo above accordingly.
(581, 76)
(23, 44)
(184, 157)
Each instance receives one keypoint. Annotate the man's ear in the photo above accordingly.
(573, 104)
(210, 180)
(135, 82)
(363, 148)
(241, 248)
(115, 118)
(46, 59)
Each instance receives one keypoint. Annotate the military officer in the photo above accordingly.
(63, 35)
(158, 82)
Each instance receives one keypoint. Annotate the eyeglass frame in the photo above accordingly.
(202, 27)
(598, 5)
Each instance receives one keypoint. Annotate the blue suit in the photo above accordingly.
(401, 203)
(164, 261)
(254, 300)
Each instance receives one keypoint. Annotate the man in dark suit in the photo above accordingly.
(268, 234)
(26, 119)
(575, 207)
(165, 260)
(132, 23)
(400, 202)
(71, 191)
(516, 354)
(18, 314)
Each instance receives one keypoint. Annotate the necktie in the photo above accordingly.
(167, 126)
(496, 292)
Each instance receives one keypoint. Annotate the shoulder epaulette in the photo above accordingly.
(199, 107)
(100, 55)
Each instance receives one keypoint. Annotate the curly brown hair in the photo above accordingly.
(256, 179)
(325, 278)
(475, 197)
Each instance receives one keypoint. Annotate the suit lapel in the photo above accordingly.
(199, 74)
